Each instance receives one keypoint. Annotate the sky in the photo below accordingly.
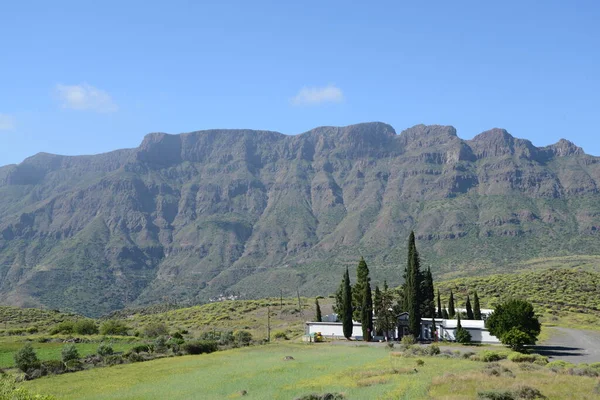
(89, 77)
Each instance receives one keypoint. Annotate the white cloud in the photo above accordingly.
(318, 95)
(7, 122)
(85, 97)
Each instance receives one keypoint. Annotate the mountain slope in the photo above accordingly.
(190, 216)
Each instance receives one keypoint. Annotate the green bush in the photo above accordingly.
(26, 359)
(160, 344)
(74, 365)
(53, 367)
(496, 395)
(408, 341)
(155, 329)
(280, 335)
(433, 350)
(140, 348)
(491, 356)
(105, 350)
(85, 327)
(242, 338)
(65, 327)
(463, 336)
(324, 396)
(527, 358)
(113, 327)
(516, 339)
(69, 352)
(200, 347)
(10, 391)
(113, 360)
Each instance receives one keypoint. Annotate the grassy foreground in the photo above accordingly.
(359, 372)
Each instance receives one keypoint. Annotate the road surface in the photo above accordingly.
(571, 345)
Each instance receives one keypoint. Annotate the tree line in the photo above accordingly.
(416, 296)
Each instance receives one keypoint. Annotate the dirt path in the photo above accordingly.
(571, 345)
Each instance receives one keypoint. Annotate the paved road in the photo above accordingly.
(571, 345)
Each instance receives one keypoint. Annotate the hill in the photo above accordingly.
(563, 296)
(252, 213)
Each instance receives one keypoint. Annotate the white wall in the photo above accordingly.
(329, 329)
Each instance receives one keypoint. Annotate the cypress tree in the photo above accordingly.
(458, 324)
(439, 313)
(476, 308)
(445, 313)
(358, 291)
(377, 310)
(367, 313)
(451, 308)
(412, 288)
(469, 309)
(318, 316)
(427, 295)
(347, 324)
(433, 330)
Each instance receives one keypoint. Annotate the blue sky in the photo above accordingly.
(88, 77)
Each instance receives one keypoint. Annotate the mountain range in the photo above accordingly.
(189, 217)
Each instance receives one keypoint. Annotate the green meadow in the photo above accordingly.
(261, 372)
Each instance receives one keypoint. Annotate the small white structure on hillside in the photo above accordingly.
(446, 330)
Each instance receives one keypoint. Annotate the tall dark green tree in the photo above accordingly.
(439, 313)
(386, 316)
(377, 308)
(427, 295)
(318, 316)
(367, 313)
(469, 309)
(514, 322)
(358, 291)
(346, 316)
(476, 307)
(445, 313)
(451, 308)
(412, 290)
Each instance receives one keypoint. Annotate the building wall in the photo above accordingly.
(329, 329)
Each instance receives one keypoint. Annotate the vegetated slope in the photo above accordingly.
(16, 317)
(566, 296)
(193, 216)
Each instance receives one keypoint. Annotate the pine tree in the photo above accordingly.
(451, 308)
(318, 316)
(469, 309)
(476, 308)
(346, 316)
(427, 295)
(412, 288)
(367, 313)
(358, 292)
(439, 313)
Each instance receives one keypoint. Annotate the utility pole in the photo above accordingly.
(269, 324)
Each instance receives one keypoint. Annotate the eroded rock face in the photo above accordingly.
(187, 217)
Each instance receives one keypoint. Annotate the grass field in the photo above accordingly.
(359, 372)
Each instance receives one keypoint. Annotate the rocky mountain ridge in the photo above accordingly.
(191, 216)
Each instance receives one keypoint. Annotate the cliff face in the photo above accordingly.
(187, 217)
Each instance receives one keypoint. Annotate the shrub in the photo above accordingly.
(527, 358)
(463, 336)
(467, 354)
(280, 335)
(496, 395)
(105, 350)
(200, 346)
(113, 360)
(26, 359)
(160, 344)
(155, 329)
(495, 369)
(433, 350)
(74, 365)
(140, 348)
(177, 335)
(69, 352)
(9, 390)
(516, 339)
(408, 341)
(242, 338)
(420, 362)
(325, 396)
(135, 357)
(113, 327)
(53, 367)
(528, 393)
(65, 327)
(491, 356)
(85, 327)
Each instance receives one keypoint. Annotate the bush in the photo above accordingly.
(26, 359)
(463, 336)
(433, 350)
(420, 362)
(69, 352)
(242, 338)
(9, 390)
(491, 356)
(496, 395)
(280, 335)
(65, 327)
(516, 339)
(156, 329)
(113, 327)
(74, 365)
(140, 348)
(407, 341)
(527, 358)
(105, 350)
(325, 396)
(200, 346)
(224, 338)
(495, 369)
(53, 367)
(160, 344)
(85, 327)
(113, 360)
(135, 357)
